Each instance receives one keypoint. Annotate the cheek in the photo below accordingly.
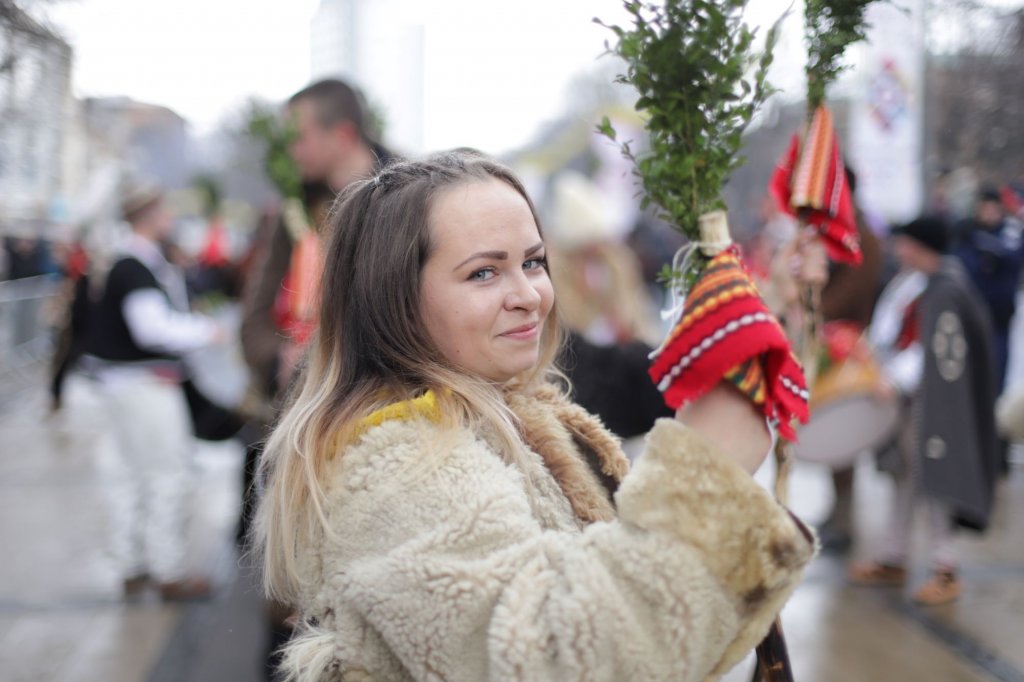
(547, 295)
(432, 312)
(445, 319)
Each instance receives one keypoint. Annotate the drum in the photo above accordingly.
(848, 414)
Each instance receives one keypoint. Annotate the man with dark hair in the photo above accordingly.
(332, 148)
(332, 144)
(992, 251)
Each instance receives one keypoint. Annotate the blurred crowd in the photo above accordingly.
(905, 333)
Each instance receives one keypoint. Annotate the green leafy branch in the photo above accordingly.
(830, 26)
(699, 83)
(264, 123)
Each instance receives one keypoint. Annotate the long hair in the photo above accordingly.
(371, 348)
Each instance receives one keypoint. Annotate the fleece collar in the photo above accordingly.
(581, 455)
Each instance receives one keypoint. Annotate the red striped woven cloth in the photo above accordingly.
(295, 309)
(726, 332)
(810, 183)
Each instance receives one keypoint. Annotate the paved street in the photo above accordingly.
(62, 617)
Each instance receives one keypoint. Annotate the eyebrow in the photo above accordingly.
(499, 255)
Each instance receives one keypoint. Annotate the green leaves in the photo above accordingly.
(699, 84)
(264, 124)
(606, 129)
(830, 26)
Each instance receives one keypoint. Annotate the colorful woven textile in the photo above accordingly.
(295, 309)
(810, 183)
(727, 332)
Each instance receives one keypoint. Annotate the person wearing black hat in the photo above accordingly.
(992, 250)
(932, 336)
(140, 328)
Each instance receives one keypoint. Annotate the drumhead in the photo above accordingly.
(838, 431)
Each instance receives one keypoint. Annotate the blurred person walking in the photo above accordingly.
(72, 325)
(991, 248)
(140, 328)
(933, 337)
(331, 149)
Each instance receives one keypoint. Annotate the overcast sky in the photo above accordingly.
(199, 57)
(203, 58)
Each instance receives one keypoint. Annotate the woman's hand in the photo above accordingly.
(727, 418)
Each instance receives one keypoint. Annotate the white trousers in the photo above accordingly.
(153, 432)
(940, 536)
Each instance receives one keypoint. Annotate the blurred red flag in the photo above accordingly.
(810, 183)
(215, 251)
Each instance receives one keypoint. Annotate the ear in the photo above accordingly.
(346, 133)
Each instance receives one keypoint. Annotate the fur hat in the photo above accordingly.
(580, 215)
(138, 197)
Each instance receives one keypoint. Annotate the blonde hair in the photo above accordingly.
(371, 349)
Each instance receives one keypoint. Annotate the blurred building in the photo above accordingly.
(377, 45)
(150, 140)
(35, 104)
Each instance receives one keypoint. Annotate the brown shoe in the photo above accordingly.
(877, 574)
(136, 585)
(943, 588)
(187, 589)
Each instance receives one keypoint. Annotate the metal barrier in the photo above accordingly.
(27, 316)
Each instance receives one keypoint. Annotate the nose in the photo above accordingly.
(522, 294)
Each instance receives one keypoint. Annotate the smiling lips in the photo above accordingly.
(523, 333)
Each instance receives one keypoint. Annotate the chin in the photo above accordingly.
(522, 368)
(509, 371)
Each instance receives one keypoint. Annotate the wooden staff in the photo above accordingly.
(772, 655)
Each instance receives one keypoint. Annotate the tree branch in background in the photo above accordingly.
(830, 26)
(263, 123)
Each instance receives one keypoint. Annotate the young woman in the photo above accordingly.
(437, 510)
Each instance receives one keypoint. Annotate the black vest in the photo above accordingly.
(109, 337)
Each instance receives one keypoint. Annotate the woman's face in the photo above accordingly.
(485, 290)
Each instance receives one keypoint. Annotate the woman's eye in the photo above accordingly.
(482, 275)
(534, 263)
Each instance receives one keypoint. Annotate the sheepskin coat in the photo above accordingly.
(474, 569)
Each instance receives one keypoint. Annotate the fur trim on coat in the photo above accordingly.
(474, 570)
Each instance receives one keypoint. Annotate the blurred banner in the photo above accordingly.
(886, 115)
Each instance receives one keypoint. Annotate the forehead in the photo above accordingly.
(906, 244)
(302, 112)
(481, 209)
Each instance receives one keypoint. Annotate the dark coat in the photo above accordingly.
(955, 412)
(612, 383)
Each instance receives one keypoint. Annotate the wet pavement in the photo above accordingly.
(62, 616)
